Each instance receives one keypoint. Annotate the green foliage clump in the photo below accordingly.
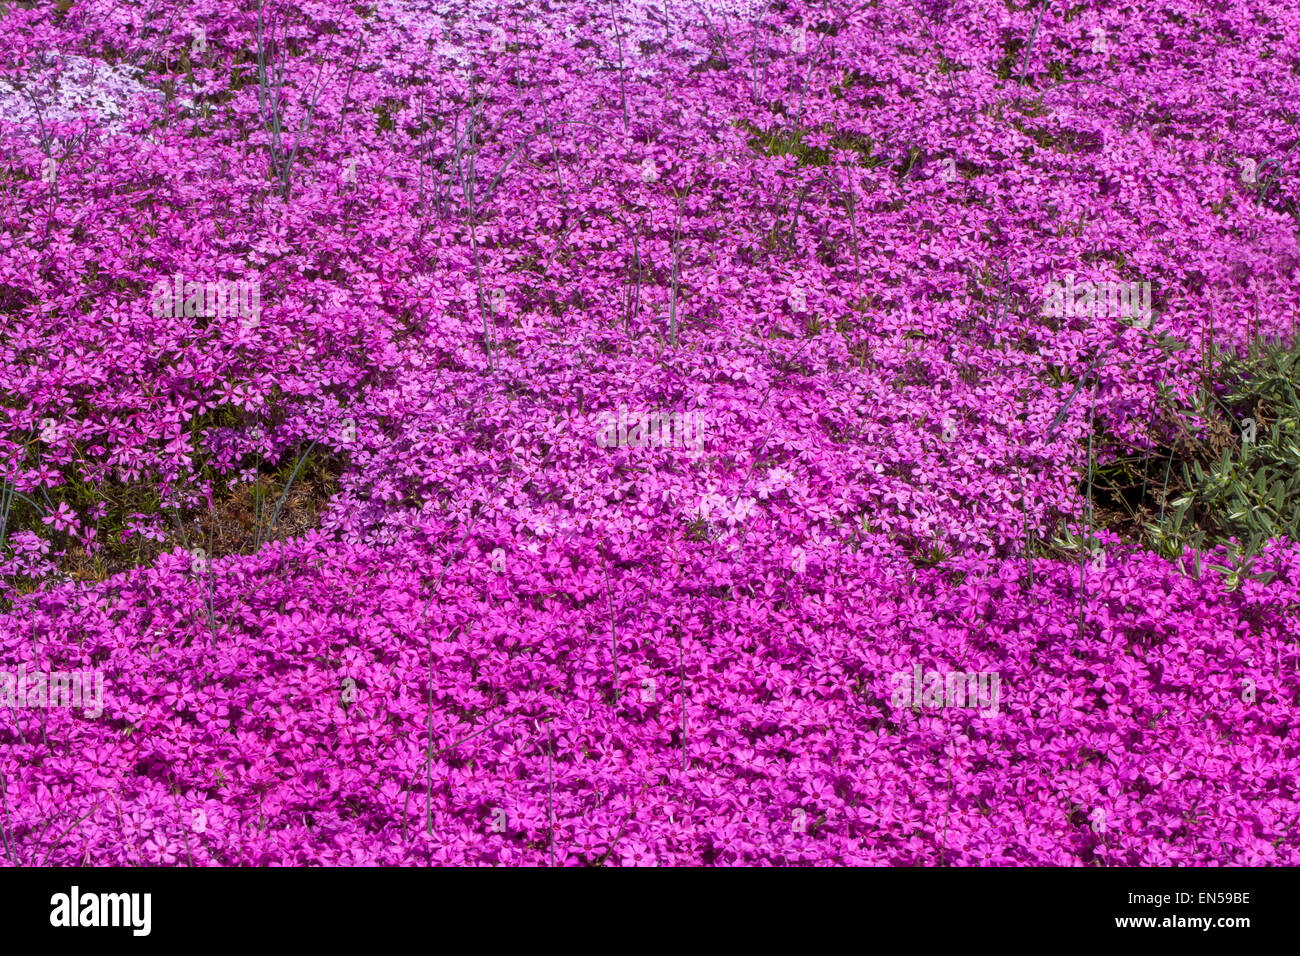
(1249, 493)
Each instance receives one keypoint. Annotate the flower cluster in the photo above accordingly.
(499, 264)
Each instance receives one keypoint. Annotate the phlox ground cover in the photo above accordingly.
(640, 432)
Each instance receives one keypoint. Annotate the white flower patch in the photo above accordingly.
(67, 88)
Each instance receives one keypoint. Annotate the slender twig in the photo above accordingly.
(550, 790)
(1024, 63)
(1083, 551)
(60, 837)
(429, 761)
(467, 185)
(681, 676)
(4, 803)
(185, 831)
(618, 33)
(618, 836)
(677, 247)
(428, 765)
(613, 634)
(275, 515)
